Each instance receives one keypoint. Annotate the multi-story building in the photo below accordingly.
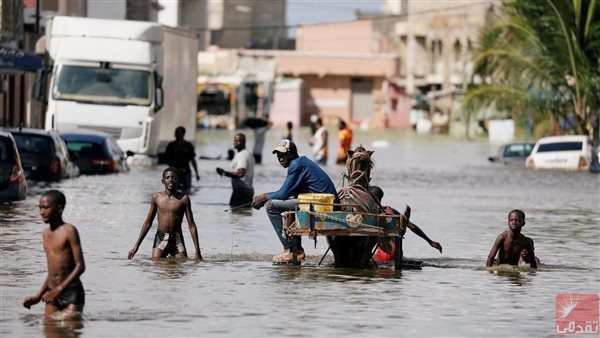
(435, 40)
(416, 54)
(427, 45)
(255, 24)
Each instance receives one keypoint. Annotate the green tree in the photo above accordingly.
(541, 57)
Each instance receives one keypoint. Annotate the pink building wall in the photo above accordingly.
(342, 37)
(286, 106)
(327, 82)
(328, 97)
(324, 64)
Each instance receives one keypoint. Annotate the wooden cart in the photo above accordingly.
(342, 223)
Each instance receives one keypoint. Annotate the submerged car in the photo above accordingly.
(568, 152)
(97, 152)
(44, 155)
(513, 153)
(13, 185)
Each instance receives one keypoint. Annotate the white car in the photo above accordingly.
(568, 152)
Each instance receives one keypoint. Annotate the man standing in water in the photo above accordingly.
(510, 243)
(170, 205)
(179, 154)
(319, 144)
(345, 137)
(260, 131)
(242, 173)
(62, 291)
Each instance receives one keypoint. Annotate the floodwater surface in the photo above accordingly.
(456, 196)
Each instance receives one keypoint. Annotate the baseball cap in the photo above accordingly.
(284, 146)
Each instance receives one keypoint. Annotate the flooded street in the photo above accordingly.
(456, 196)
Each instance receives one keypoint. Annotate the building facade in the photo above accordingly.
(436, 41)
(253, 24)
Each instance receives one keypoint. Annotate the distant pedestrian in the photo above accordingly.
(313, 121)
(62, 290)
(288, 131)
(242, 173)
(319, 143)
(179, 154)
(345, 137)
(260, 131)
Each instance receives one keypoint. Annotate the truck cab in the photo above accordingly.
(107, 75)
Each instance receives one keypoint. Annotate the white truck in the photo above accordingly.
(132, 79)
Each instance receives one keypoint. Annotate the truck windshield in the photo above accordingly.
(111, 85)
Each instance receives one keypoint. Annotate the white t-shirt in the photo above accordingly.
(243, 160)
(319, 151)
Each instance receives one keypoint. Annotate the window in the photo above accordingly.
(560, 146)
(4, 149)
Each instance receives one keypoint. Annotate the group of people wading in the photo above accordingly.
(63, 292)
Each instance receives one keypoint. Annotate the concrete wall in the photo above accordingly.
(287, 101)
(324, 64)
(343, 37)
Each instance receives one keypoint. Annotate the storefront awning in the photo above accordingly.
(16, 60)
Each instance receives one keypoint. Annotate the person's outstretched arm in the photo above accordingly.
(32, 300)
(414, 228)
(145, 227)
(494, 250)
(195, 166)
(239, 173)
(189, 216)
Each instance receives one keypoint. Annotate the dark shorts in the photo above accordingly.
(72, 294)
(169, 243)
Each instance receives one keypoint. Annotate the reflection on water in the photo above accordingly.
(168, 268)
(456, 197)
(55, 328)
(64, 328)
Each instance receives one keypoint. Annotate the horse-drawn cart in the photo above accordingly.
(382, 227)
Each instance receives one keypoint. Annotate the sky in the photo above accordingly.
(319, 11)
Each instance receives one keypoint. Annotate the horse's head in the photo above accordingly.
(359, 164)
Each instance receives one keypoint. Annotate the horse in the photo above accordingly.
(356, 251)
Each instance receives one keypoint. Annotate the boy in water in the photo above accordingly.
(62, 291)
(510, 243)
(170, 205)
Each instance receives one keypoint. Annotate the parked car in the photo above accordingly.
(97, 152)
(513, 153)
(44, 155)
(569, 152)
(13, 185)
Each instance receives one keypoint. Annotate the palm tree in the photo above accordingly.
(541, 57)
